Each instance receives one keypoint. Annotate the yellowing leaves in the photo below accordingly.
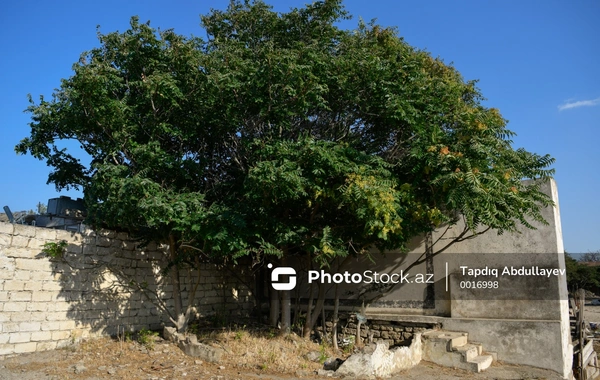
(326, 249)
(377, 198)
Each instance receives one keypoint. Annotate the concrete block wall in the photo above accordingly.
(104, 283)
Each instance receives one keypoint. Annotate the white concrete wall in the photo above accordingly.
(46, 303)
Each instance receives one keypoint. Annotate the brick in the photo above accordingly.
(67, 325)
(45, 346)
(50, 326)
(7, 263)
(57, 335)
(24, 230)
(4, 338)
(34, 265)
(7, 349)
(20, 316)
(15, 306)
(23, 252)
(33, 285)
(10, 327)
(56, 316)
(51, 285)
(106, 251)
(102, 241)
(42, 296)
(37, 316)
(89, 249)
(25, 347)
(37, 306)
(59, 306)
(6, 274)
(88, 232)
(106, 233)
(14, 285)
(29, 326)
(128, 245)
(36, 244)
(68, 236)
(3, 296)
(75, 248)
(5, 240)
(19, 296)
(20, 241)
(48, 234)
(41, 335)
(19, 337)
(6, 228)
(24, 275)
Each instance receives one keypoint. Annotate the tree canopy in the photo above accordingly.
(280, 133)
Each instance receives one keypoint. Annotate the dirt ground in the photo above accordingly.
(107, 358)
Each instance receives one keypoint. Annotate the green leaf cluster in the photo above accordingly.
(279, 133)
(581, 275)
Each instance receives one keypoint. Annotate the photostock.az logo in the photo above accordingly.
(282, 271)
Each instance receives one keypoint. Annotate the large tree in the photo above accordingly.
(281, 134)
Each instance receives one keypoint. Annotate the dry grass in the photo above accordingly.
(266, 350)
(257, 351)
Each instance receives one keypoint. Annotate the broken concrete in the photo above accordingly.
(170, 334)
(191, 347)
(378, 360)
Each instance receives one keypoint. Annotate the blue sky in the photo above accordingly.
(537, 61)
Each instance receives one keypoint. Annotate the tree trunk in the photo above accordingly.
(286, 303)
(273, 307)
(179, 316)
(336, 309)
(309, 307)
(296, 306)
(311, 319)
(286, 308)
(430, 290)
(324, 324)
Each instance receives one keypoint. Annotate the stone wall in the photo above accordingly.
(394, 333)
(103, 284)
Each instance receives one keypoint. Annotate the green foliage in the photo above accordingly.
(323, 354)
(41, 208)
(55, 250)
(281, 134)
(580, 275)
(240, 334)
(349, 347)
(146, 338)
(218, 319)
(126, 336)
